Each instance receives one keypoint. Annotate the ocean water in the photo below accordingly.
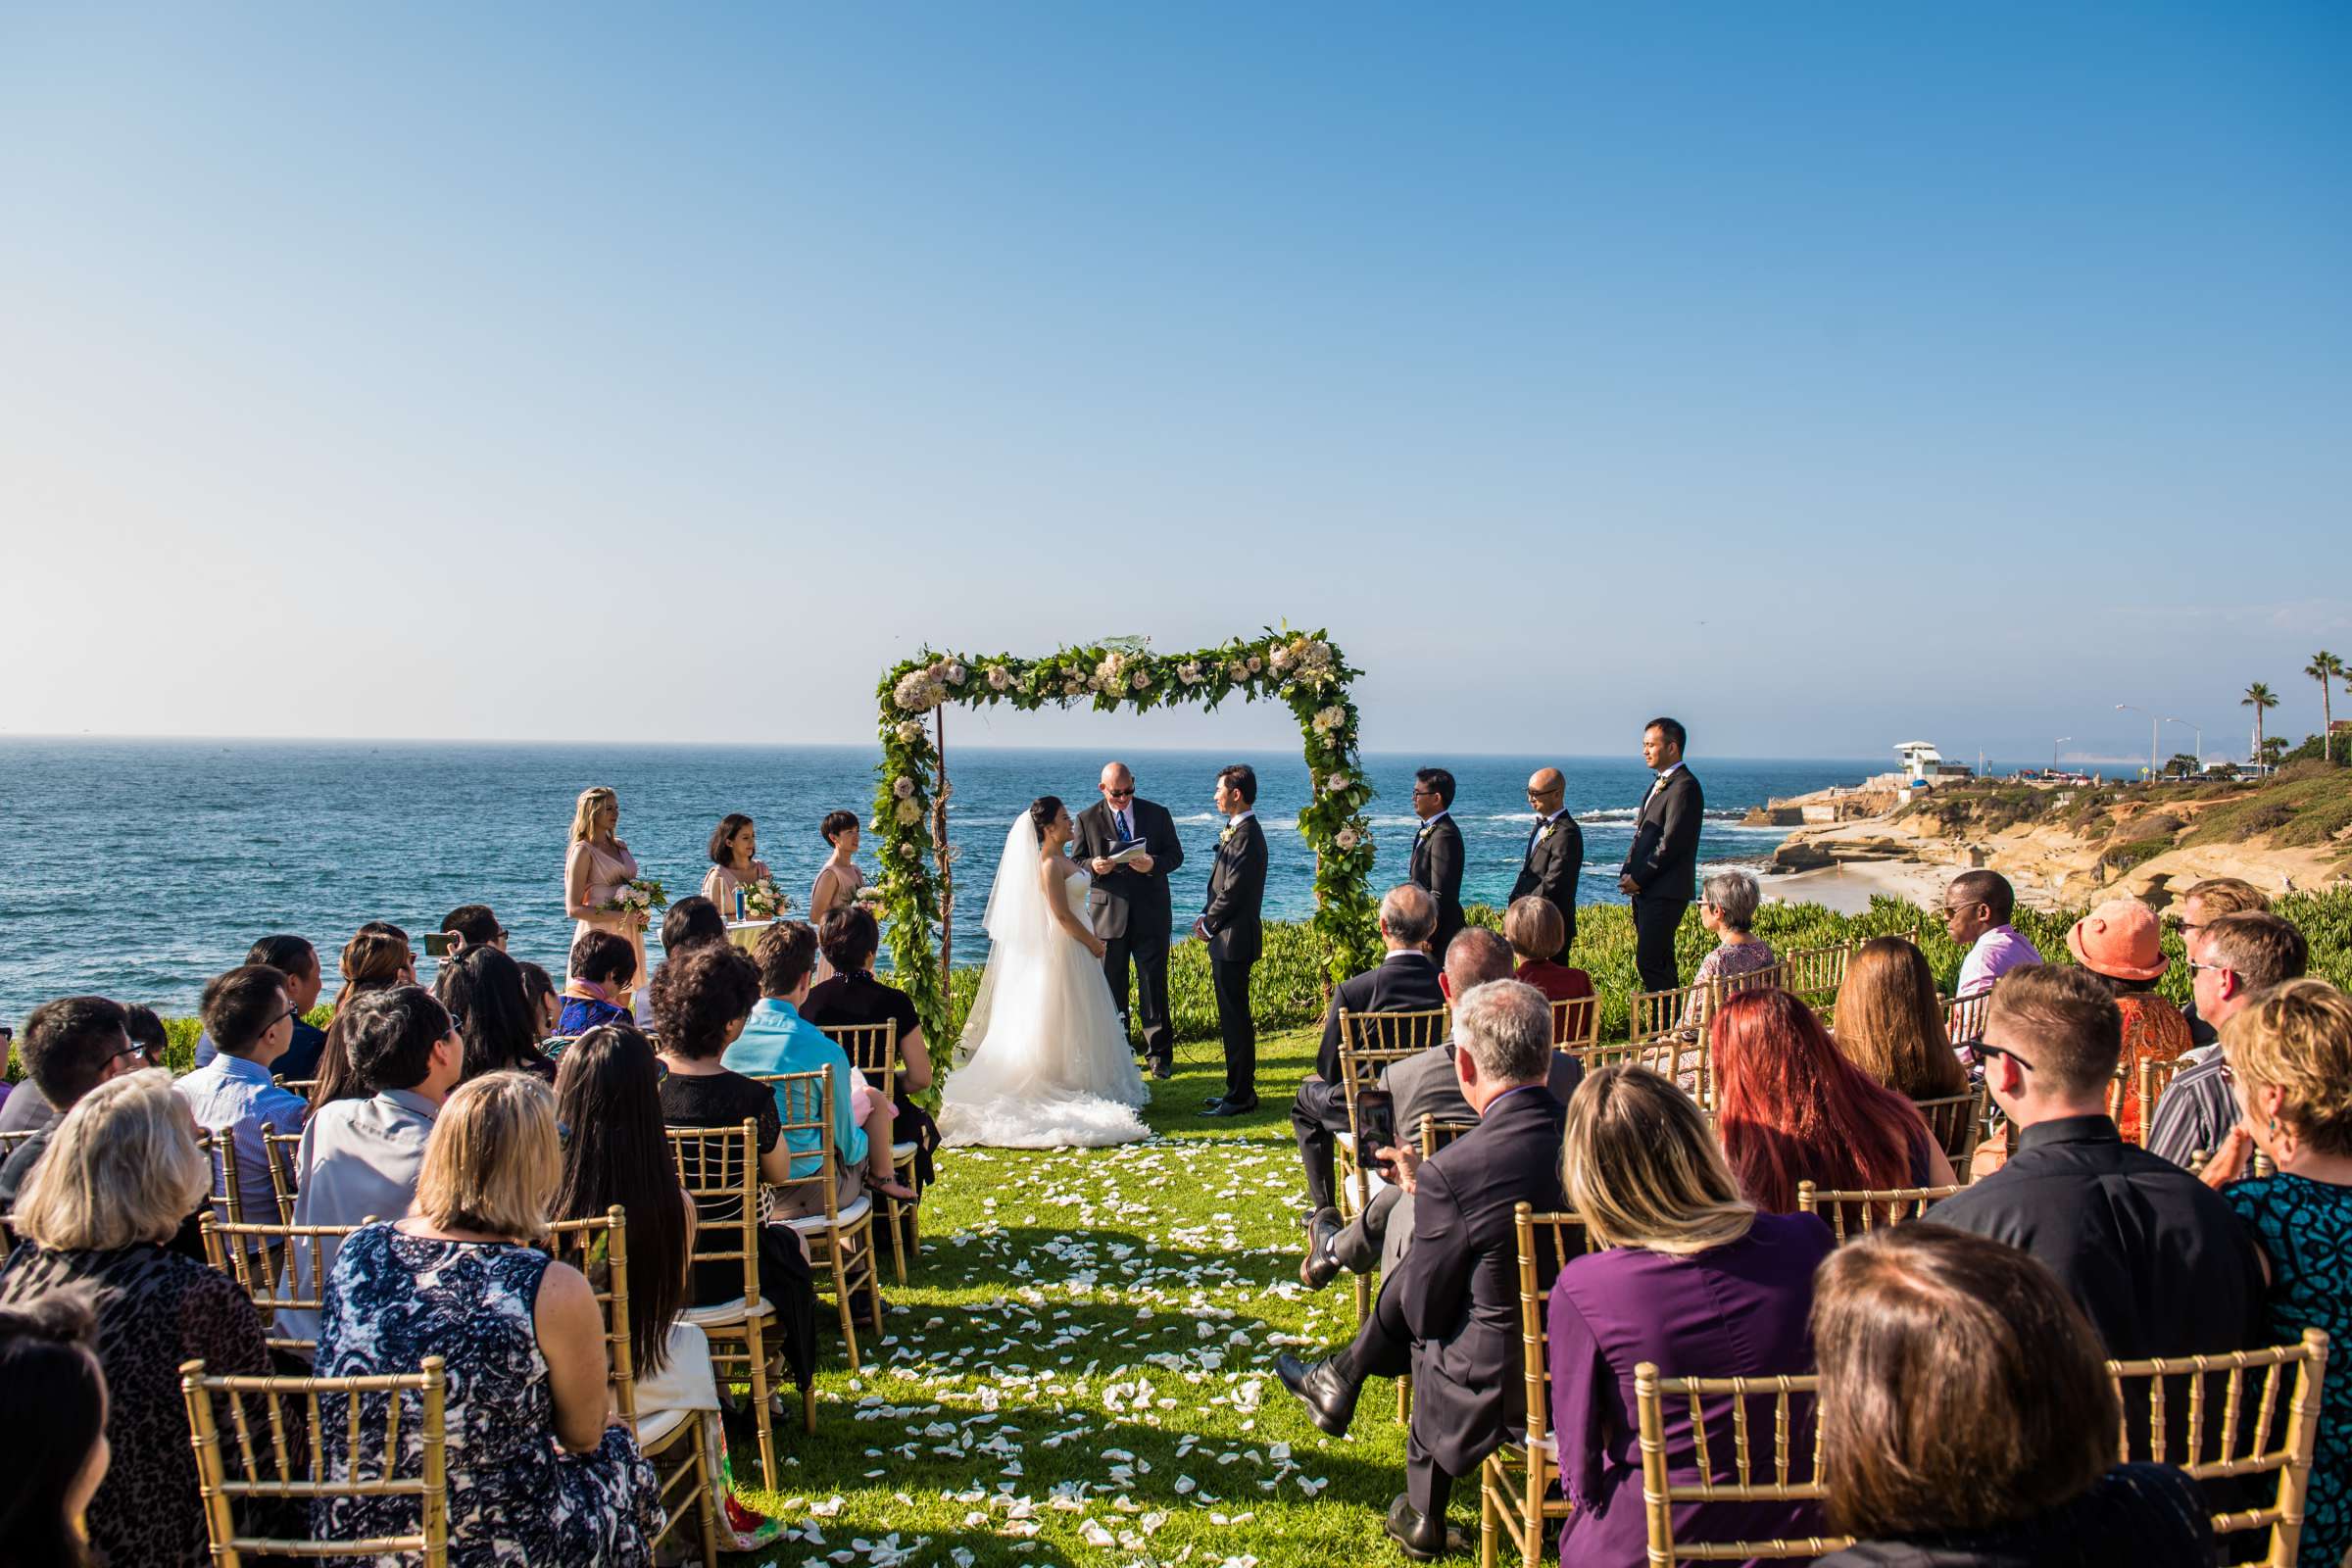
(138, 868)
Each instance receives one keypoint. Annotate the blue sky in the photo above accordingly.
(1825, 374)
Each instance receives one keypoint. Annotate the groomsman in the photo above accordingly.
(1436, 862)
(1230, 924)
(1129, 904)
(1555, 853)
(1663, 863)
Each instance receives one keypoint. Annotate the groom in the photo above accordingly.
(1130, 907)
(1229, 924)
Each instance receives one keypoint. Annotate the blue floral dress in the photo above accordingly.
(514, 1497)
(2305, 1227)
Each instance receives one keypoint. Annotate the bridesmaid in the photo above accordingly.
(594, 869)
(734, 848)
(838, 880)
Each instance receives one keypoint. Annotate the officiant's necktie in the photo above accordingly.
(1126, 835)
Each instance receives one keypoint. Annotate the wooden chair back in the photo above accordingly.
(1964, 1017)
(280, 1266)
(221, 1158)
(283, 1153)
(720, 1168)
(1814, 974)
(304, 1087)
(1865, 1210)
(1685, 1058)
(1436, 1134)
(10, 1143)
(1958, 1123)
(872, 1049)
(804, 1105)
(2156, 1075)
(1576, 1024)
(1370, 1042)
(1517, 1495)
(276, 1426)
(599, 1247)
(1779, 1464)
(1655, 1014)
(2249, 1413)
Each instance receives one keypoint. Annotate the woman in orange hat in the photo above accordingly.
(2121, 944)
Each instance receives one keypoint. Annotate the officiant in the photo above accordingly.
(1129, 845)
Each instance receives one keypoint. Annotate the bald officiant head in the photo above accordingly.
(1544, 790)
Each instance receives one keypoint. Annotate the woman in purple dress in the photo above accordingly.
(1698, 1281)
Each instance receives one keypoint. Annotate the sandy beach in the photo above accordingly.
(1847, 888)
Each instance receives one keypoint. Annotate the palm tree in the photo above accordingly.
(2322, 667)
(2261, 699)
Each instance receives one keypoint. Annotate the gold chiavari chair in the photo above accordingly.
(841, 1238)
(275, 1465)
(1875, 1208)
(10, 1143)
(873, 1050)
(304, 1087)
(1789, 1471)
(283, 1153)
(1684, 1057)
(1576, 1024)
(221, 1158)
(1515, 1493)
(2235, 1441)
(1964, 1017)
(719, 1167)
(2156, 1075)
(599, 1249)
(1814, 974)
(1370, 1043)
(1437, 1133)
(280, 1266)
(1958, 1123)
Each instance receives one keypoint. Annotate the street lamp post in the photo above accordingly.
(2153, 727)
(2200, 732)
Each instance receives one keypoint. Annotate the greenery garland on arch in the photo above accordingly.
(910, 821)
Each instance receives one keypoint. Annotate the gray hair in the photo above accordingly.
(1408, 913)
(1735, 895)
(1506, 1027)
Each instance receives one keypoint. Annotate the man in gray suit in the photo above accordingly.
(1425, 1085)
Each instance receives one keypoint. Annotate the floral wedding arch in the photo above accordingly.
(910, 802)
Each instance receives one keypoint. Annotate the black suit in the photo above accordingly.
(1232, 924)
(1436, 865)
(1130, 912)
(1450, 1313)
(1664, 866)
(1554, 860)
(1402, 982)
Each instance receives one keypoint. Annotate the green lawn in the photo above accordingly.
(1080, 1369)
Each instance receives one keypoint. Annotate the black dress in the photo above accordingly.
(854, 997)
(729, 1100)
(2135, 1517)
(155, 1311)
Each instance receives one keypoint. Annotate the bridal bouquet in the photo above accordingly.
(636, 896)
(762, 900)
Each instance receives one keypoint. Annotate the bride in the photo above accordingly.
(1049, 1063)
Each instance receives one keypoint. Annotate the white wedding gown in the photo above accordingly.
(1048, 1065)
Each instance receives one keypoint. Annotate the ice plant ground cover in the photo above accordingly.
(1080, 1367)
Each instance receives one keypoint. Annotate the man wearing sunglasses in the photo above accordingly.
(69, 1047)
(2231, 958)
(251, 1017)
(1129, 845)
(1555, 853)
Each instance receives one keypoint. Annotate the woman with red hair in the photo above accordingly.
(1789, 1108)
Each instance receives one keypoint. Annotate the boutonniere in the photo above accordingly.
(1227, 836)
(1543, 832)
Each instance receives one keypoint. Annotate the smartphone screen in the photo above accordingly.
(436, 943)
(1376, 1115)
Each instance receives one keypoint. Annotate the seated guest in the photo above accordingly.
(296, 959)
(2203, 904)
(705, 998)
(1976, 910)
(2153, 1259)
(1790, 1109)
(603, 965)
(358, 1159)
(69, 1047)
(1421, 1085)
(776, 1039)
(1695, 1281)
(2236, 956)
(1727, 905)
(1967, 1418)
(98, 1214)
(2119, 942)
(247, 1013)
(1450, 1313)
(482, 989)
(539, 990)
(473, 926)
(848, 940)
(2291, 1051)
(734, 863)
(549, 1471)
(609, 1094)
(1890, 1021)
(1405, 980)
(1528, 924)
(376, 958)
(147, 1032)
(53, 1452)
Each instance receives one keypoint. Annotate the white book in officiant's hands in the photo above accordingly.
(1130, 854)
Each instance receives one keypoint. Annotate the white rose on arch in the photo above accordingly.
(1336, 783)
(1141, 680)
(1256, 664)
(998, 677)
(902, 787)
(1237, 671)
(907, 850)
(908, 813)
(910, 730)
(1345, 838)
(1189, 673)
(952, 671)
